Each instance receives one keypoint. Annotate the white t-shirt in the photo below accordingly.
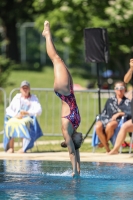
(18, 103)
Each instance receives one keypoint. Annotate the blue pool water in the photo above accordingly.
(33, 180)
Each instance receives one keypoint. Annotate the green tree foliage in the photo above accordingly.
(6, 66)
(11, 13)
(120, 17)
(68, 19)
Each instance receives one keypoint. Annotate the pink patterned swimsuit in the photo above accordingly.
(74, 116)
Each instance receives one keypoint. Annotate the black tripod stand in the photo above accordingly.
(99, 101)
(96, 50)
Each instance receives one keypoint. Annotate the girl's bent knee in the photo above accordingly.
(99, 127)
(111, 125)
(124, 127)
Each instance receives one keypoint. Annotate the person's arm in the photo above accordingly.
(129, 74)
(127, 108)
(36, 108)
(116, 115)
(11, 110)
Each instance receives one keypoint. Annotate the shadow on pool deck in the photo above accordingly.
(63, 156)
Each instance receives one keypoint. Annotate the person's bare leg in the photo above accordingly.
(61, 74)
(126, 127)
(111, 126)
(20, 150)
(11, 146)
(78, 160)
(67, 132)
(101, 135)
(77, 140)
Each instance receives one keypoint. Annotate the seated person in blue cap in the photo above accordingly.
(20, 119)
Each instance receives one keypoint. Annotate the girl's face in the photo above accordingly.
(119, 90)
(25, 91)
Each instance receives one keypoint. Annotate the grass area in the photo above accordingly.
(86, 147)
(51, 147)
(58, 148)
(44, 79)
(43, 138)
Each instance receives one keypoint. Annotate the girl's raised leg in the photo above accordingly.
(62, 76)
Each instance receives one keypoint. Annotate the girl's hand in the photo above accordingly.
(114, 117)
(23, 113)
(19, 116)
(131, 64)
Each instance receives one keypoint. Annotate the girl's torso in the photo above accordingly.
(70, 108)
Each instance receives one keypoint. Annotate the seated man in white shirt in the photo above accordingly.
(21, 120)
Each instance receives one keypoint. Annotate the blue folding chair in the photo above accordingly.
(95, 139)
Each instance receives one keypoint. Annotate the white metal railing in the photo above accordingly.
(50, 120)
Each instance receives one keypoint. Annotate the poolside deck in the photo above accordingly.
(63, 156)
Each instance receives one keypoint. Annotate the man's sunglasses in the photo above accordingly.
(120, 88)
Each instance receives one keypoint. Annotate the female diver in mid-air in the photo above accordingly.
(63, 87)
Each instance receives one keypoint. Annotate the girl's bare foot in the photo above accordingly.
(100, 145)
(107, 152)
(46, 30)
(20, 151)
(10, 150)
(113, 152)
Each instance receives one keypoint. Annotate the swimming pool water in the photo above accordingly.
(27, 180)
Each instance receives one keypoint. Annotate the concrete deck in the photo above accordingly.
(63, 156)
